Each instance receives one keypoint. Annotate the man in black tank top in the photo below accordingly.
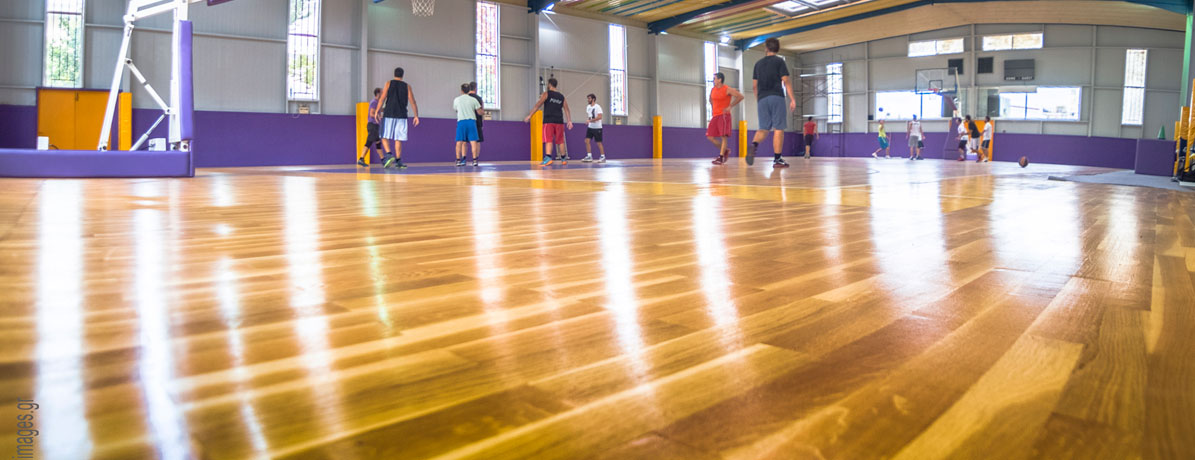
(555, 111)
(393, 112)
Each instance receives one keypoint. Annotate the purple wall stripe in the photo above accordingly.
(268, 139)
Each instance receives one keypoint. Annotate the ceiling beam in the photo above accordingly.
(656, 27)
(1177, 6)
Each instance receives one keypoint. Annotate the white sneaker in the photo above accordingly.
(602, 159)
(587, 159)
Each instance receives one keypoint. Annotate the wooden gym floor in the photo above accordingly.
(843, 308)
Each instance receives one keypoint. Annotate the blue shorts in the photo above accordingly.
(466, 130)
(773, 114)
(883, 142)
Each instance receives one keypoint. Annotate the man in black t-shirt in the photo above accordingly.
(480, 133)
(770, 83)
(555, 109)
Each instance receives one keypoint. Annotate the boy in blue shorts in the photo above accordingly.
(467, 110)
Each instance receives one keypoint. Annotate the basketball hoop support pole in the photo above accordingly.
(179, 109)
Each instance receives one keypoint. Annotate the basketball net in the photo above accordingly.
(423, 8)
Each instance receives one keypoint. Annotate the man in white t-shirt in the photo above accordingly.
(915, 135)
(985, 153)
(593, 112)
(962, 140)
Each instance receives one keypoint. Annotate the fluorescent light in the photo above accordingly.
(725, 39)
(789, 7)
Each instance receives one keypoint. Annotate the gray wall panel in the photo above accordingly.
(677, 108)
(1134, 37)
(436, 81)
(637, 106)
(23, 9)
(516, 102)
(680, 59)
(341, 22)
(449, 32)
(338, 82)
(231, 74)
(573, 43)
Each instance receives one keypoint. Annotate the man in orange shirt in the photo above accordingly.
(810, 135)
(722, 98)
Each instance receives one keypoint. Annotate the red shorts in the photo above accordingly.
(719, 126)
(553, 133)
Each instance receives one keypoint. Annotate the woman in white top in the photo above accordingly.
(915, 135)
(985, 153)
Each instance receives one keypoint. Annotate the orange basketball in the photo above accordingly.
(1024, 162)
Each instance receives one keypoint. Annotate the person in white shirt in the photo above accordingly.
(962, 140)
(913, 129)
(985, 153)
(593, 112)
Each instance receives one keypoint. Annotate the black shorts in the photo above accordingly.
(594, 133)
(987, 143)
(962, 143)
(480, 133)
(371, 134)
(808, 139)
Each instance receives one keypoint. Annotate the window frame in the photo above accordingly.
(937, 47)
(1012, 41)
(1078, 109)
(921, 99)
(834, 99)
(292, 52)
(619, 83)
(480, 55)
(81, 39)
(710, 65)
(1138, 118)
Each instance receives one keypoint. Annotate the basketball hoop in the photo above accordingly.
(423, 8)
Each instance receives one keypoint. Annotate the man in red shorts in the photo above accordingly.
(810, 132)
(722, 98)
(555, 110)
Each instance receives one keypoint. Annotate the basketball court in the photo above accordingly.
(196, 268)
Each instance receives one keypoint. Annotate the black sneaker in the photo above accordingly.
(362, 163)
(389, 162)
(779, 163)
(400, 165)
(460, 161)
(751, 155)
(475, 163)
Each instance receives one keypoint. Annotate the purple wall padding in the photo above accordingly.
(1105, 152)
(18, 126)
(621, 141)
(186, 102)
(93, 163)
(1154, 157)
(268, 139)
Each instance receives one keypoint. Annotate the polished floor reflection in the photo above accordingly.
(841, 308)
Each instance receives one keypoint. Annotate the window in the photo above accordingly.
(834, 91)
(935, 47)
(1013, 42)
(618, 70)
(64, 44)
(1048, 103)
(489, 65)
(711, 68)
(902, 105)
(302, 50)
(1134, 87)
